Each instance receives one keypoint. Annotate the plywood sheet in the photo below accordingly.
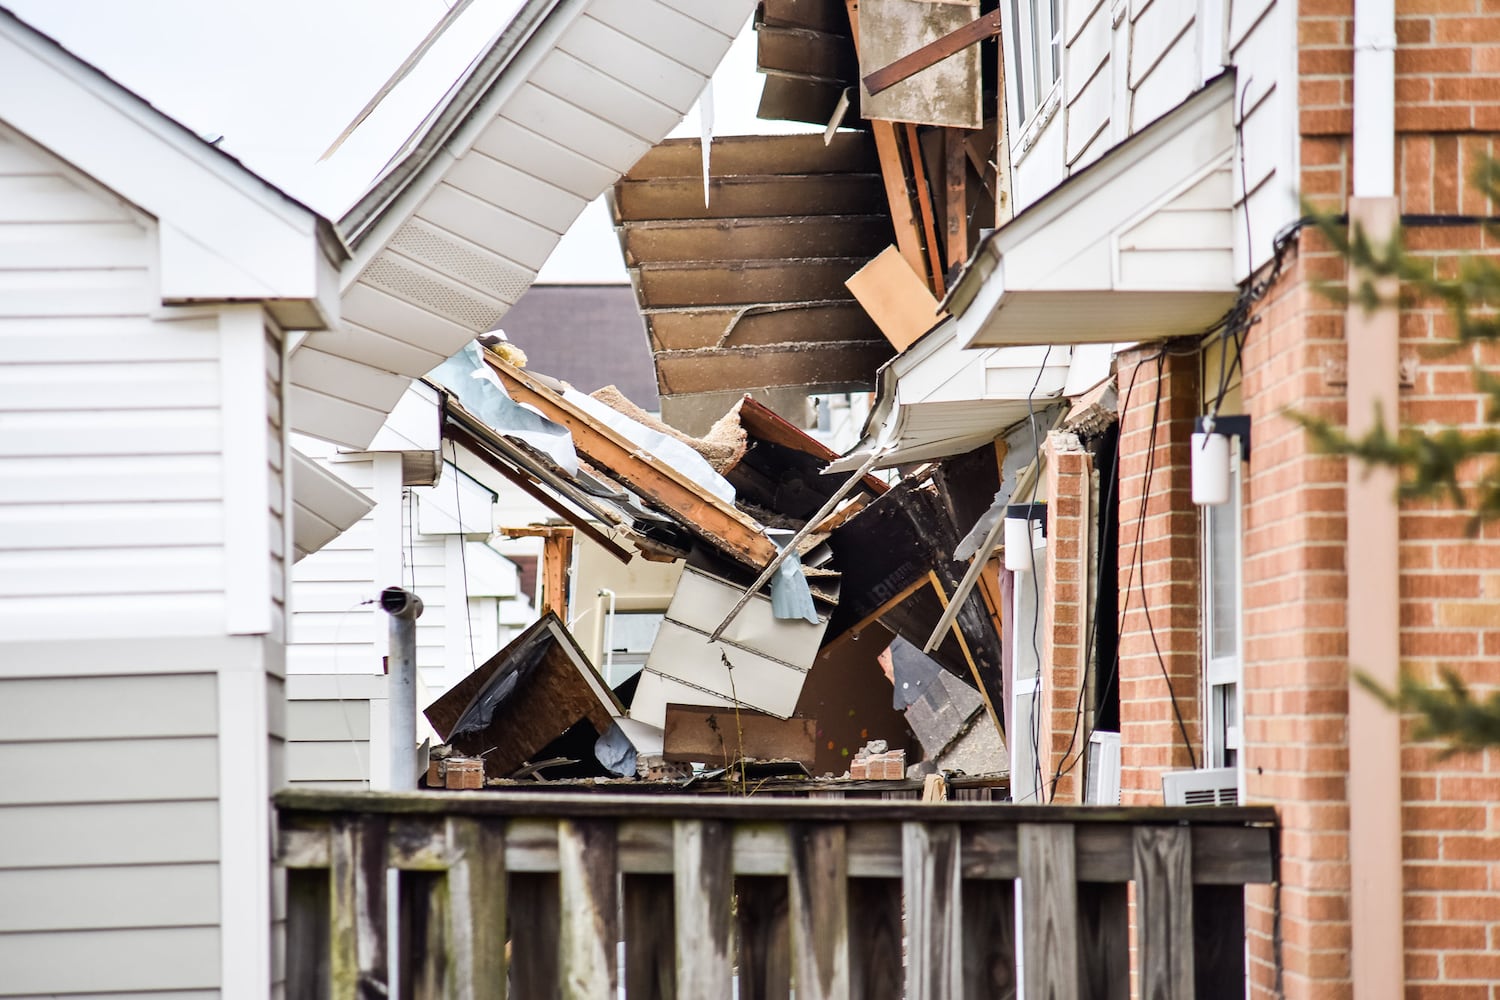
(896, 298)
(947, 93)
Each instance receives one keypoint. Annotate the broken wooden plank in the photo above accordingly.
(713, 734)
(897, 299)
(805, 54)
(763, 324)
(705, 284)
(764, 155)
(739, 238)
(714, 519)
(933, 52)
(845, 367)
(748, 196)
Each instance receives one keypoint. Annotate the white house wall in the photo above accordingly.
(1128, 62)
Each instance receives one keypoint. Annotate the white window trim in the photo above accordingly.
(1227, 670)
(1030, 67)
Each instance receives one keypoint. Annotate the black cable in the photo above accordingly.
(1036, 617)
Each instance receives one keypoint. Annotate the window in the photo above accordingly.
(1033, 55)
(1222, 605)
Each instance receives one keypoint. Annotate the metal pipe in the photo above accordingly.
(404, 608)
(609, 637)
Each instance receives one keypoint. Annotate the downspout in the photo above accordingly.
(609, 636)
(1377, 957)
(404, 608)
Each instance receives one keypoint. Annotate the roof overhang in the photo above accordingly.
(561, 103)
(323, 505)
(1139, 246)
(937, 400)
(224, 234)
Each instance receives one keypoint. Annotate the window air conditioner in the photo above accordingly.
(1102, 787)
(1216, 786)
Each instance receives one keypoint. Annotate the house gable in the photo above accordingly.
(223, 233)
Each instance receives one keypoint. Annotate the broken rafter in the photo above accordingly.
(645, 474)
(933, 53)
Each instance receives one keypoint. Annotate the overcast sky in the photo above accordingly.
(280, 79)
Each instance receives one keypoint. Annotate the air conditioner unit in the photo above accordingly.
(1102, 787)
(1215, 786)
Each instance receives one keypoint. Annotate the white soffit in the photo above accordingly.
(323, 505)
(939, 400)
(1136, 247)
(595, 85)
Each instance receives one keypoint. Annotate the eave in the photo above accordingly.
(562, 103)
(1136, 247)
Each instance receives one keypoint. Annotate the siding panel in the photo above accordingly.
(108, 708)
(154, 770)
(98, 961)
(133, 833)
(52, 899)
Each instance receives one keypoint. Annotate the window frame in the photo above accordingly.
(1033, 72)
(1224, 674)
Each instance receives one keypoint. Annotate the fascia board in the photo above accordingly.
(324, 506)
(227, 234)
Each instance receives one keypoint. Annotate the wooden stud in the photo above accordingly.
(924, 204)
(589, 895)
(930, 862)
(476, 892)
(650, 949)
(702, 887)
(762, 927)
(956, 202)
(357, 939)
(1050, 901)
(820, 911)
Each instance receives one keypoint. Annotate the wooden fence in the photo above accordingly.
(526, 895)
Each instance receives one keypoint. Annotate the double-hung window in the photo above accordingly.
(1033, 47)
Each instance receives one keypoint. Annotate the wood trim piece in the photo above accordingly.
(924, 203)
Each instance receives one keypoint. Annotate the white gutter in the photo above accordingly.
(1377, 957)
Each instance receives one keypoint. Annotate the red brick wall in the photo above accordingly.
(1065, 647)
(1159, 575)
(1296, 681)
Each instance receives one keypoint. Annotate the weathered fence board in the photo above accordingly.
(1163, 877)
(703, 887)
(529, 895)
(820, 912)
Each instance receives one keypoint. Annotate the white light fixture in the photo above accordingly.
(1021, 523)
(1211, 441)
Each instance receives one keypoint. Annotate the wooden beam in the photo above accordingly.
(888, 149)
(933, 52)
(656, 481)
(541, 496)
(963, 645)
(853, 632)
(924, 202)
(957, 200)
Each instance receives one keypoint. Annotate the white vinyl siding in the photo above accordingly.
(109, 816)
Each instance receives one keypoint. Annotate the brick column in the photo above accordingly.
(1064, 703)
(1159, 575)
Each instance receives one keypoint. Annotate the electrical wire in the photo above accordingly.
(1036, 590)
(463, 555)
